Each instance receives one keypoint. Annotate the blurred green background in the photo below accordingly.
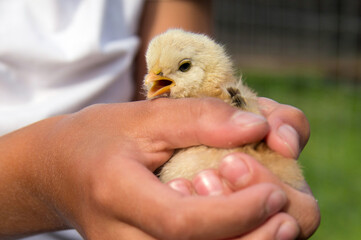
(308, 54)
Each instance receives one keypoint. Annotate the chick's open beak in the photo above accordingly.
(159, 85)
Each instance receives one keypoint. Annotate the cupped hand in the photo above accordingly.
(238, 172)
(92, 170)
(289, 132)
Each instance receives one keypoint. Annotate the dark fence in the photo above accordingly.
(322, 34)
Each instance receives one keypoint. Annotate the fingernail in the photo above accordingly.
(208, 183)
(246, 119)
(287, 231)
(235, 170)
(290, 138)
(179, 186)
(275, 202)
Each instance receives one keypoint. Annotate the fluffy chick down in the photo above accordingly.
(184, 64)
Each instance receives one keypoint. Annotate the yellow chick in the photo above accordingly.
(184, 64)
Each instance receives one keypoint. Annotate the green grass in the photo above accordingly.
(332, 158)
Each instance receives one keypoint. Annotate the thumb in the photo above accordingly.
(179, 123)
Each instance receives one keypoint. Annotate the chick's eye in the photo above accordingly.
(185, 66)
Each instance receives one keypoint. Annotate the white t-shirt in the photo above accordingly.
(58, 56)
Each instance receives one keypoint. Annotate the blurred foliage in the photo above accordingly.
(331, 159)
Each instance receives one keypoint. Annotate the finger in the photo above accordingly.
(182, 186)
(224, 216)
(289, 128)
(170, 215)
(205, 183)
(240, 213)
(302, 206)
(209, 183)
(185, 122)
(279, 227)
